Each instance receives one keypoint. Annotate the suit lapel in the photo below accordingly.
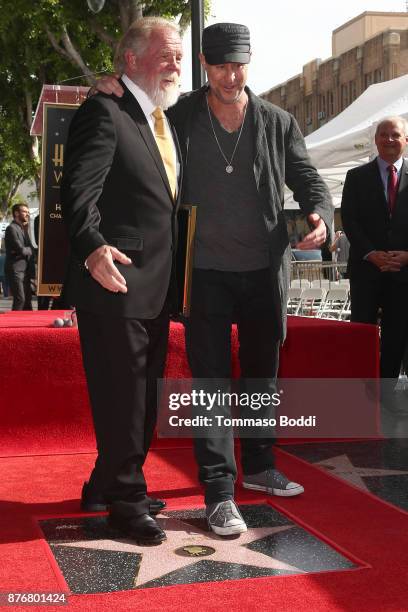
(378, 180)
(180, 162)
(403, 184)
(22, 234)
(379, 186)
(133, 108)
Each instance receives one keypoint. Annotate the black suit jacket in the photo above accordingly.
(19, 249)
(367, 223)
(115, 191)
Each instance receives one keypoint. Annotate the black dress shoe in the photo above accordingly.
(95, 502)
(141, 528)
(156, 505)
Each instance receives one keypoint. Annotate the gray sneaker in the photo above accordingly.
(224, 518)
(273, 482)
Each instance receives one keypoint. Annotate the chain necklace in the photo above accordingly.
(229, 167)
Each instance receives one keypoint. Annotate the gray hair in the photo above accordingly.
(137, 37)
(394, 119)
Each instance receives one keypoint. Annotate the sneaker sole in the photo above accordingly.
(226, 531)
(279, 492)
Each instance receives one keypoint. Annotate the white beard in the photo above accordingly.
(164, 98)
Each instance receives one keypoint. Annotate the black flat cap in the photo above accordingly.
(226, 42)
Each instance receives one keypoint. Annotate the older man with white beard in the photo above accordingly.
(119, 199)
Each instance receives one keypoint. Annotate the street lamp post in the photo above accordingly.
(197, 25)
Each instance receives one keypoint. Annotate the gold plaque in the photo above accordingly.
(195, 550)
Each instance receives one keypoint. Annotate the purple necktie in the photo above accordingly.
(392, 187)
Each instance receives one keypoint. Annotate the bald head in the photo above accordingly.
(394, 119)
(391, 138)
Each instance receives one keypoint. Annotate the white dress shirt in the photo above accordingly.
(148, 108)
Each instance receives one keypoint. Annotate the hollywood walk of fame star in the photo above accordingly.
(343, 467)
(158, 561)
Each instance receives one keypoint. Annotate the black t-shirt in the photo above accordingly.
(231, 234)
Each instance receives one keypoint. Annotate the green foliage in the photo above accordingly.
(16, 165)
(38, 42)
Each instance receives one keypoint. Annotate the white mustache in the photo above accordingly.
(174, 78)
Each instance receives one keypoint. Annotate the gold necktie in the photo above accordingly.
(166, 147)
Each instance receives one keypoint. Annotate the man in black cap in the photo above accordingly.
(238, 153)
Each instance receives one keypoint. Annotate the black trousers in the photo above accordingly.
(20, 285)
(367, 298)
(123, 359)
(218, 300)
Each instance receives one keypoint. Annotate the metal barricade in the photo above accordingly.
(315, 271)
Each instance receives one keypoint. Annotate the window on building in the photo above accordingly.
(352, 91)
(368, 79)
(321, 115)
(344, 96)
(330, 103)
(378, 75)
(308, 111)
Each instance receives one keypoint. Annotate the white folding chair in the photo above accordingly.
(311, 302)
(324, 283)
(300, 282)
(335, 304)
(294, 294)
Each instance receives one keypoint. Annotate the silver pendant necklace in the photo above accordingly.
(229, 167)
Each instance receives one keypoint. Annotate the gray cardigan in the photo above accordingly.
(281, 158)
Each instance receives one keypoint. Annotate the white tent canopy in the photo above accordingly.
(348, 139)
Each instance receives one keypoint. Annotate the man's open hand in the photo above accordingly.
(103, 270)
(316, 237)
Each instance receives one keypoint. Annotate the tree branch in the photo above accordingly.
(29, 107)
(70, 53)
(55, 44)
(135, 10)
(185, 18)
(102, 33)
(130, 10)
(124, 16)
(75, 57)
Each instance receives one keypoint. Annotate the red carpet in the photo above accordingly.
(45, 410)
(43, 392)
(356, 524)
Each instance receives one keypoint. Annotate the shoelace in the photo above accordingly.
(225, 512)
(276, 478)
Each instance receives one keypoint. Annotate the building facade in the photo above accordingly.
(370, 48)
